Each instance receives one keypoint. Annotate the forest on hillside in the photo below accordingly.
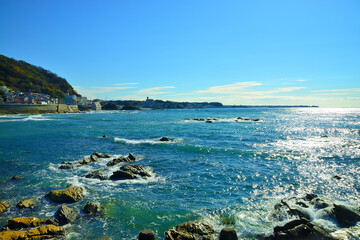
(24, 77)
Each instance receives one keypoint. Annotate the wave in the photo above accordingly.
(145, 141)
(12, 118)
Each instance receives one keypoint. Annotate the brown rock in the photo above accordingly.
(29, 222)
(135, 169)
(191, 231)
(3, 206)
(65, 215)
(68, 195)
(92, 208)
(147, 234)
(122, 175)
(27, 203)
(43, 232)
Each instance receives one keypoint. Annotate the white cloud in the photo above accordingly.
(338, 91)
(120, 84)
(154, 90)
(230, 89)
(301, 80)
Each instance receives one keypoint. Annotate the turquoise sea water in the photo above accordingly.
(229, 173)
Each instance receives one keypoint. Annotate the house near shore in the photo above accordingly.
(96, 106)
(70, 99)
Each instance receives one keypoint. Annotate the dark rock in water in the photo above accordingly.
(65, 215)
(101, 155)
(208, 121)
(345, 216)
(3, 206)
(147, 234)
(122, 175)
(300, 229)
(135, 169)
(118, 160)
(310, 196)
(240, 118)
(16, 178)
(164, 139)
(301, 204)
(256, 120)
(68, 165)
(70, 194)
(27, 203)
(324, 136)
(94, 157)
(105, 238)
(104, 136)
(132, 157)
(228, 234)
(85, 161)
(337, 177)
(297, 212)
(191, 230)
(96, 175)
(92, 208)
(319, 203)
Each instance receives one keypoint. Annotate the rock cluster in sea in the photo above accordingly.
(211, 120)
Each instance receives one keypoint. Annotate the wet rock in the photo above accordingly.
(101, 155)
(29, 222)
(68, 165)
(164, 139)
(94, 157)
(104, 136)
(191, 230)
(85, 161)
(68, 195)
(95, 175)
(105, 238)
(15, 178)
(319, 203)
(3, 206)
(256, 120)
(228, 234)
(299, 229)
(301, 204)
(92, 208)
(65, 215)
(292, 211)
(345, 216)
(118, 160)
(147, 234)
(132, 157)
(310, 196)
(135, 169)
(208, 121)
(42, 232)
(122, 175)
(337, 177)
(27, 203)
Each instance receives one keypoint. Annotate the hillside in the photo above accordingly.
(24, 77)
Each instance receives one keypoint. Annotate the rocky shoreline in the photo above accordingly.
(296, 213)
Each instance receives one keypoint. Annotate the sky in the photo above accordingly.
(242, 52)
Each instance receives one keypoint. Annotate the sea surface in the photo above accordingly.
(226, 172)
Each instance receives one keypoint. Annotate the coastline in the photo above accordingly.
(6, 109)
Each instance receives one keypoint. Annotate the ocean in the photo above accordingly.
(231, 172)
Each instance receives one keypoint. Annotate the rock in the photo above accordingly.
(292, 211)
(105, 238)
(135, 169)
(15, 178)
(118, 160)
(299, 229)
(147, 234)
(228, 234)
(122, 175)
(319, 203)
(96, 175)
(345, 216)
(132, 157)
(208, 121)
(65, 215)
(164, 139)
(43, 232)
(101, 155)
(68, 165)
(104, 136)
(310, 196)
(191, 230)
(68, 195)
(92, 208)
(85, 161)
(337, 177)
(94, 157)
(3, 206)
(27, 203)
(29, 222)
(256, 120)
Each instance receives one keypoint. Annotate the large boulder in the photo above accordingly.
(92, 208)
(27, 203)
(42, 232)
(122, 175)
(164, 139)
(228, 234)
(28, 222)
(3, 206)
(345, 216)
(147, 234)
(194, 230)
(299, 229)
(65, 215)
(101, 155)
(68, 195)
(121, 159)
(68, 165)
(291, 209)
(135, 169)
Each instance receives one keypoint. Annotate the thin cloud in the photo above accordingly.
(301, 80)
(154, 90)
(230, 89)
(121, 84)
(109, 89)
(339, 91)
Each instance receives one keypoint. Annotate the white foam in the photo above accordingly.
(23, 118)
(146, 141)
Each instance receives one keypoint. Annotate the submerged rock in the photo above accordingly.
(3, 206)
(16, 178)
(95, 175)
(27, 203)
(121, 159)
(191, 230)
(65, 215)
(164, 139)
(92, 208)
(68, 195)
(68, 165)
(135, 169)
(28, 222)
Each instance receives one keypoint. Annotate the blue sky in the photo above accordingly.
(236, 52)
